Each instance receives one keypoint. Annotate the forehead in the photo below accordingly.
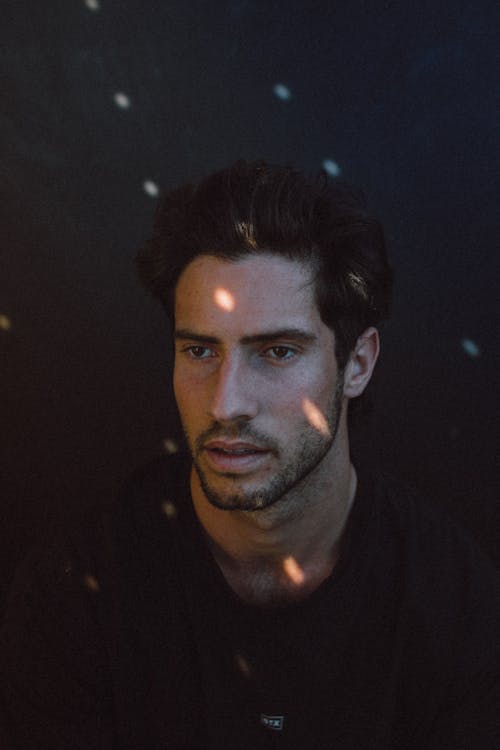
(252, 292)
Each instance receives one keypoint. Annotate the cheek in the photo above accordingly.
(192, 396)
(183, 392)
(306, 405)
(177, 384)
(291, 395)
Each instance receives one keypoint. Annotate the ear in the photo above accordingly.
(361, 363)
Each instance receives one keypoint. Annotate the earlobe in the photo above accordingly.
(361, 363)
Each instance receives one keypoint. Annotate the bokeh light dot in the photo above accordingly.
(93, 4)
(243, 665)
(331, 167)
(151, 188)
(170, 446)
(5, 323)
(91, 582)
(471, 348)
(282, 92)
(122, 100)
(169, 509)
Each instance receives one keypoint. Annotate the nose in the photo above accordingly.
(233, 395)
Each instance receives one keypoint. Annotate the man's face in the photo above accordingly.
(255, 378)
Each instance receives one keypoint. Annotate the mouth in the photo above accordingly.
(237, 457)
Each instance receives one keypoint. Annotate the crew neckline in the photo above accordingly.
(353, 546)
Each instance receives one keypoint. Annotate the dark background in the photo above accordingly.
(403, 96)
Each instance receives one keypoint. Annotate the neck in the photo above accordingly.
(283, 552)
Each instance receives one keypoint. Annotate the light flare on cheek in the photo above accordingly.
(315, 417)
(293, 570)
(224, 299)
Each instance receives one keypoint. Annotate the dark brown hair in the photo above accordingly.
(254, 207)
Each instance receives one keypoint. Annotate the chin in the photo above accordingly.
(244, 501)
(233, 493)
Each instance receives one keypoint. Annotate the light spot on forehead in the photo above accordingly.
(232, 300)
(255, 283)
(224, 299)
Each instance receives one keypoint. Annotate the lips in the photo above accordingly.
(233, 449)
(235, 457)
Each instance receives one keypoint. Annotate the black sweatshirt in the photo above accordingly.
(126, 635)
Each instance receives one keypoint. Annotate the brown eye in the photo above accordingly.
(199, 352)
(281, 353)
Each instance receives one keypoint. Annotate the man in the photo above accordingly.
(262, 591)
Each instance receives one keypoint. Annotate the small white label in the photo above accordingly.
(272, 722)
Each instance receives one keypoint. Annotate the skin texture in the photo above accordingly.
(255, 370)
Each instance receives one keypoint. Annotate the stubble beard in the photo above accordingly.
(313, 447)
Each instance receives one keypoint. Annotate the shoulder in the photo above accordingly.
(86, 554)
(427, 529)
(449, 590)
(430, 546)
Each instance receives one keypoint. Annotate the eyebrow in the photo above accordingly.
(294, 334)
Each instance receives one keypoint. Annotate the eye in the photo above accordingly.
(281, 353)
(198, 352)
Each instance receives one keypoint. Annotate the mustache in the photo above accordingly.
(235, 432)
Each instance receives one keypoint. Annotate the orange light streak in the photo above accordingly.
(293, 570)
(315, 417)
